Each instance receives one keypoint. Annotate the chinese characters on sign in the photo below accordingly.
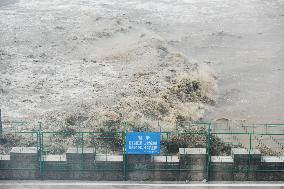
(142, 143)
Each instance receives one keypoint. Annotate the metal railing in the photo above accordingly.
(217, 139)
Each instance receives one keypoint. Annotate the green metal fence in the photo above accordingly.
(217, 139)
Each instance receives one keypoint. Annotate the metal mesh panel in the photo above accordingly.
(226, 151)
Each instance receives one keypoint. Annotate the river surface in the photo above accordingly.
(4, 3)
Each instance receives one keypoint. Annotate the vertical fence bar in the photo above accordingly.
(39, 150)
(250, 141)
(209, 138)
(250, 157)
(41, 155)
(82, 151)
(1, 126)
(39, 123)
(168, 146)
(82, 142)
(124, 157)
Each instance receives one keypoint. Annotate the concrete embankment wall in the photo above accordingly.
(192, 164)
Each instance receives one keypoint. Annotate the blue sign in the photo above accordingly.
(142, 143)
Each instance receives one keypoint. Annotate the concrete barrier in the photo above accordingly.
(193, 162)
(222, 168)
(109, 167)
(55, 167)
(246, 162)
(269, 163)
(24, 163)
(190, 164)
(5, 167)
(80, 163)
(139, 167)
(166, 168)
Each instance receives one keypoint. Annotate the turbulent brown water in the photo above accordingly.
(86, 68)
(156, 84)
(66, 58)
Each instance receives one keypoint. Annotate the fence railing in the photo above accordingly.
(105, 152)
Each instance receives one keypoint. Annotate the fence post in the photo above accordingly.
(41, 155)
(209, 138)
(39, 128)
(82, 142)
(124, 157)
(1, 126)
(40, 152)
(249, 159)
(124, 125)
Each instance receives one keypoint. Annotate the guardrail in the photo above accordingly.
(197, 153)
